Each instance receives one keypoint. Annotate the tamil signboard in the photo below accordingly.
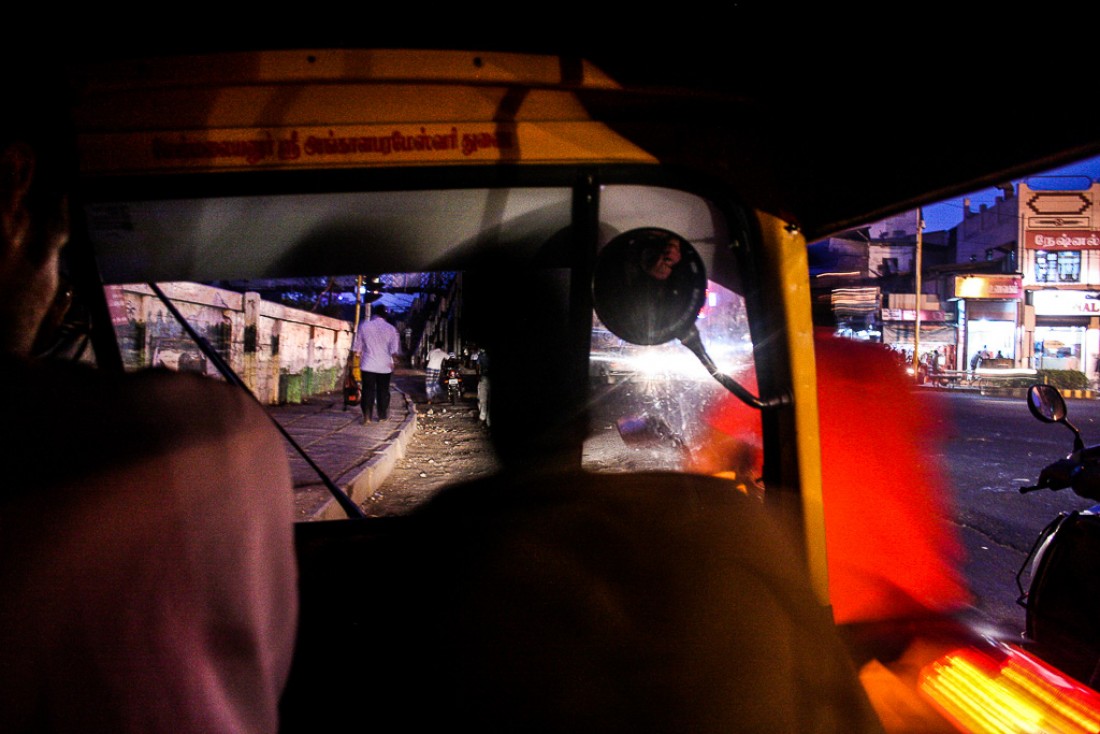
(1061, 239)
(1059, 220)
(988, 286)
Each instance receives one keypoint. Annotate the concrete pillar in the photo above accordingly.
(1091, 351)
(251, 351)
(275, 359)
(1028, 336)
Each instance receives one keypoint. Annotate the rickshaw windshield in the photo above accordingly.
(276, 285)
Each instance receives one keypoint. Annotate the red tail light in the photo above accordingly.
(1008, 690)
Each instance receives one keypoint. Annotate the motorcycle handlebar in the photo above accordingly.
(1059, 475)
(1081, 473)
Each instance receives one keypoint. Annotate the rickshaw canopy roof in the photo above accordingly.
(864, 119)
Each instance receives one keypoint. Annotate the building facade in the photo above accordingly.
(1017, 281)
(1059, 253)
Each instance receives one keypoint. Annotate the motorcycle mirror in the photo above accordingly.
(648, 287)
(1046, 403)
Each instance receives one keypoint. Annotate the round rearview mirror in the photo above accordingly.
(1046, 403)
(648, 286)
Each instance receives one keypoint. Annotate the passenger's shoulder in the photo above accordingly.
(94, 417)
(154, 392)
(190, 393)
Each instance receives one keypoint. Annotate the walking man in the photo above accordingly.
(432, 369)
(376, 343)
(483, 386)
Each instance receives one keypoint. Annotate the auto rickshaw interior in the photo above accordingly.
(422, 595)
(393, 606)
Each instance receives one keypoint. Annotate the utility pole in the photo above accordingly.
(918, 286)
(358, 299)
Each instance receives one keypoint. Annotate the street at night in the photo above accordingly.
(989, 448)
(992, 446)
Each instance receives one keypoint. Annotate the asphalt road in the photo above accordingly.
(991, 447)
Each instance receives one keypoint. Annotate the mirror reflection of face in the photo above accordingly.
(648, 286)
(666, 260)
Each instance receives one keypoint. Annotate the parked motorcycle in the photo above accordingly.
(353, 388)
(450, 376)
(1062, 571)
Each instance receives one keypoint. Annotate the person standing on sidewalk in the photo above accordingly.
(376, 343)
(433, 366)
(483, 387)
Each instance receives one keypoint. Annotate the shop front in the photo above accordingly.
(989, 312)
(1066, 334)
(937, 342)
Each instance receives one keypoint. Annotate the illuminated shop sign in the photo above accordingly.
(908, 314)
(1066, 303)
(988, 286)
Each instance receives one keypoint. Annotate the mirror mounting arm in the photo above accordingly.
(1078, 442)
(692, 341)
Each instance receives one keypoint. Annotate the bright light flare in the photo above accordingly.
(1015, 693)
(671, 361)
(652, 363)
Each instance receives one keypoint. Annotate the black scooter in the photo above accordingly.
(1062, 597)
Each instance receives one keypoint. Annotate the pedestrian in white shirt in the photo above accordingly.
(432, 369)
(376, 343)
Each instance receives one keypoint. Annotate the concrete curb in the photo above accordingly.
(1004, 392)
(1011, 392)
(377, 468)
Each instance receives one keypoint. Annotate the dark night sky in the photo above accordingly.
(949, 213)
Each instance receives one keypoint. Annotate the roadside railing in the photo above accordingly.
(991, 378)
(1003, 381)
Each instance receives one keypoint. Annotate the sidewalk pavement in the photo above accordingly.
(357, 458)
